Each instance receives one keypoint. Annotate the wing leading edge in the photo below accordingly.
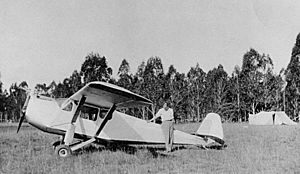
(106, 94)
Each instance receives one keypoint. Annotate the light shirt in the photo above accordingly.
(165, 115)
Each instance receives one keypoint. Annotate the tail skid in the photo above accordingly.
(211, 127)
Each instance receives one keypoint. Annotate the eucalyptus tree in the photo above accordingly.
(253, 79)
(138, 78)
(217, 90)
(125, 77)
(15, 100)
(273, 86)
(176, 90)
(41, 88)
(196, 90)
(74, 82)
(151, 83)
(2, 102)
(235, 104)
(60, 91)
(68, 87)
(293, 80)
(95, 68)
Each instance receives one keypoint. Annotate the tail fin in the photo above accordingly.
(212, 127)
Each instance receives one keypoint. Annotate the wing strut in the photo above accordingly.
(70, 132)
(107, 117)
(76, 114)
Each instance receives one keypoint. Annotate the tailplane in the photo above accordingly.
(211, 127)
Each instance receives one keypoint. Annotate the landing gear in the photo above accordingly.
(63, 150)
(65, 147)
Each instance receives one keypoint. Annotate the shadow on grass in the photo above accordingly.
(216, 146)
(132, 150)
(155, 150)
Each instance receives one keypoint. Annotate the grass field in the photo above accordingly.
(251, 149)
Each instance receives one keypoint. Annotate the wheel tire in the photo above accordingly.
(63, 150)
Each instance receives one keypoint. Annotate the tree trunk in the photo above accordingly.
(238, 102)
(143, 113)
(198, 113)
(5, 116)
(284, 100)
(296, 109)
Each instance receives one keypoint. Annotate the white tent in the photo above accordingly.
(270, 118)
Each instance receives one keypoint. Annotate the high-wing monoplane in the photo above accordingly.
(94, 115)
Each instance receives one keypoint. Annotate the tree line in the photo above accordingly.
(251, 88)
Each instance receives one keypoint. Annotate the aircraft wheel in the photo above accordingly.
(63, 150)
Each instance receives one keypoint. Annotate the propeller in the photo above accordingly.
(24, 109)
(21, 121)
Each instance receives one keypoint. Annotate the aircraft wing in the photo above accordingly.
(106, 94)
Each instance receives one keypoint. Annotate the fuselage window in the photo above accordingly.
(103, 113)
(68, 107)
(89, 113)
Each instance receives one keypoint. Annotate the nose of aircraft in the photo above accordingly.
(35, 121)
(40, 111)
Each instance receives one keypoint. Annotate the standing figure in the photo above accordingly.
(167, 116)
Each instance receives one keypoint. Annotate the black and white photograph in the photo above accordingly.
(145, 86)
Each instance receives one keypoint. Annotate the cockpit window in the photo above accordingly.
(68, 107)
(90, 113)
(103, 113)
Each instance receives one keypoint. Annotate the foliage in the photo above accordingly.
(151, 82)
(251, 88)
(293, 80)
(216, 89)
(253, 81)
(196, 92)
(125, 78)
(13, 102)
(176, 91)
(95, 68)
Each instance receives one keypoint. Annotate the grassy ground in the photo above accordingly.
(251, 149)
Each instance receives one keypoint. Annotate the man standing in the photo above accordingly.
(167, 116)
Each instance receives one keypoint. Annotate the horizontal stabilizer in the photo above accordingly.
(211, 127)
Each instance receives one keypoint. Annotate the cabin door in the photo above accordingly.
(88, 120)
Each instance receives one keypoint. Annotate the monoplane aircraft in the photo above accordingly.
(94, 115)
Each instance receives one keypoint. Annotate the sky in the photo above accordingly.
(42, 41)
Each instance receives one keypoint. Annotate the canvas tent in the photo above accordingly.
(270, 118)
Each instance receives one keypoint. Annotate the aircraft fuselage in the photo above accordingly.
(46, 114)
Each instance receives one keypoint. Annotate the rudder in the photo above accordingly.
(211, 126)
